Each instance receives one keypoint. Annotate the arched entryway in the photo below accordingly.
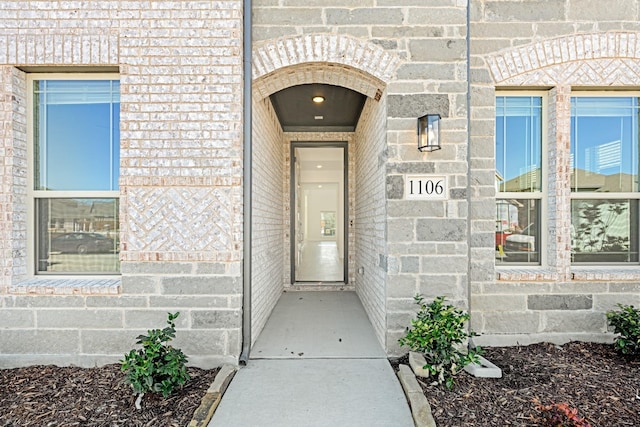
(336, 61)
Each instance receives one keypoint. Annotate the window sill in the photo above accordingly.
(600, 273)
(66, 286)
(578, 274)
(526, 274)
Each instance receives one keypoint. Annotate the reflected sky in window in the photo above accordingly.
(519, 143)
(604, 144)
(77, 135)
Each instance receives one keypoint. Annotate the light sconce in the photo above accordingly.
(429, 132)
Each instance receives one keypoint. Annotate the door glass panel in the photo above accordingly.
(318, 205)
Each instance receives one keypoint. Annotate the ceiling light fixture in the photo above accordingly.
(318, 99)
(319, 166)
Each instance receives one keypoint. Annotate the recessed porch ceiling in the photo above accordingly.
(339, 112)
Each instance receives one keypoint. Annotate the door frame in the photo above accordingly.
(345, 202)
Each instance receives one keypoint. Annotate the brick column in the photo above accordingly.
(13, 184)
(559, 205)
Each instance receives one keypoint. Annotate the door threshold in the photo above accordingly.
(320, 286)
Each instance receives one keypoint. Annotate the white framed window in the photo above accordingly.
(520, 177)
(604, 178)
(73, 125)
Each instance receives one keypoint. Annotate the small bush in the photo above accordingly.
(438, 332)
(560, 415)
(626, 323)
(156, 367)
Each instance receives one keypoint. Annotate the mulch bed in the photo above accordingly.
(55, 396)
(603, 386)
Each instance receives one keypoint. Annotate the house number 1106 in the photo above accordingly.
(425, 187)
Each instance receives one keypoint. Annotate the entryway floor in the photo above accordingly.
(317, 363)
(318, 324)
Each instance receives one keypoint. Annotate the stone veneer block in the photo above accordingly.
(416, 105)
(559, 302)
(420, 408)
(483, 369)
(440, 230)
(417, 363)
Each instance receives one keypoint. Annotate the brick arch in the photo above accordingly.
(321, 58)
(611, 58)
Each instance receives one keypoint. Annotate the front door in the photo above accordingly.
(318, 212)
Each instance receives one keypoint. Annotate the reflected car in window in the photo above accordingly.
(82, 243)
(521, 247)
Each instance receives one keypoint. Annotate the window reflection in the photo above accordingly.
(519, 143)
(76, 134)
(78, 235)
(604, 230)
(604, 144)
(517, 231)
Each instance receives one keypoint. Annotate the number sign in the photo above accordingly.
(429, 187)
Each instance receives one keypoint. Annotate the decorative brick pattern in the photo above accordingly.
(335, 59)
(181, 224)
(598, 59)
(60, 49)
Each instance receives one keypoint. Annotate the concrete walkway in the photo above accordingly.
(319, 364)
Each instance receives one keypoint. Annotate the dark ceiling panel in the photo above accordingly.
(297, 112)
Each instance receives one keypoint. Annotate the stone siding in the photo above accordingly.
(551, 47)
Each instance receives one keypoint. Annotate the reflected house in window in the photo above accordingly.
(522, 183)
(82, 215)
(602, 228)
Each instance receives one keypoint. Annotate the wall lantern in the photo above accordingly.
(429, 132)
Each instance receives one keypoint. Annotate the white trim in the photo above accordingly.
(543, 194)
(613, 195)
(32, 194)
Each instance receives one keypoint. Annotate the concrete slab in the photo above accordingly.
(314, 393)
(318, 324)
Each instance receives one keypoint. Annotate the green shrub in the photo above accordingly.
(156, 367)
(438, 332)
(626, 323)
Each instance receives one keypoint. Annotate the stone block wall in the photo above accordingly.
(180, 68)
(554, 47)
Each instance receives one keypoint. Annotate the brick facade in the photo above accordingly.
(181, 189)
